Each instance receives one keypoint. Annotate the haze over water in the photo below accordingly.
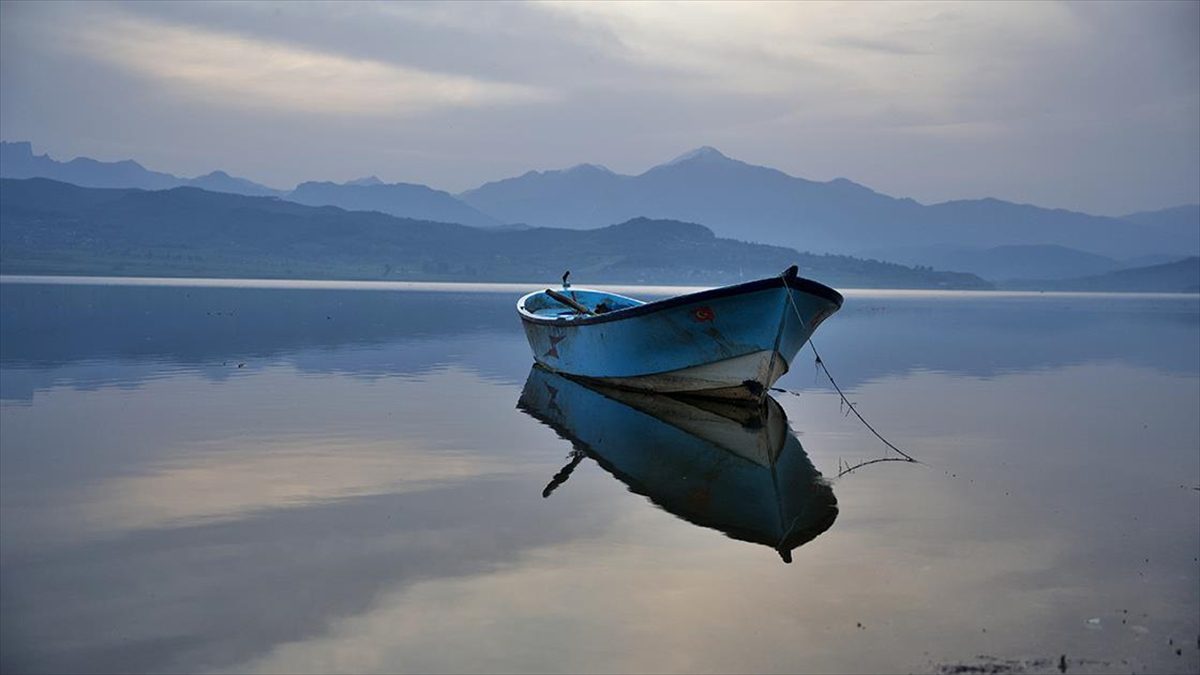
(339, 480)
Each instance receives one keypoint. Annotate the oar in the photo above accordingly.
(563, 473)
(569, 302)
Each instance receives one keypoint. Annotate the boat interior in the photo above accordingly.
(543, 304)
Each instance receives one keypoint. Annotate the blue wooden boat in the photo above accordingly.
(730, 467)
(730, 342)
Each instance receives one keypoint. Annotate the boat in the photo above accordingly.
(732, 342)
(721, 465)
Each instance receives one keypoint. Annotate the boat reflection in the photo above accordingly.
(728, 467)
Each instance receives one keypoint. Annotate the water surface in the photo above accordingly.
(222, 477)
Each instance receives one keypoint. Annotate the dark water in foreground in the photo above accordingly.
(247, 479)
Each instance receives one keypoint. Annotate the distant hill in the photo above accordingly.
(1182, 276)
(18, 161)
(364, 194)
(758, 203)
(1183, 221)
(1000, 263)
(405, 200)
(55, 228)
(579, 197)
(1148, 260)
(737, 200)
(219, 181)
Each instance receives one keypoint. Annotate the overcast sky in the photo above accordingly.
(1088, 106)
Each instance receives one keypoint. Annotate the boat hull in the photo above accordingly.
(741, 377)
(732, 342)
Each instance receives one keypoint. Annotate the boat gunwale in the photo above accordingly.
(796, 282)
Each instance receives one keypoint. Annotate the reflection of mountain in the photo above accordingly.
(87, 335)
(741, 471)
(873, 338)
(50, 333)
(51, 323)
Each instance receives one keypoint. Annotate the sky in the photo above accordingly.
(1089, 106)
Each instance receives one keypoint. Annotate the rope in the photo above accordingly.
(821, 363)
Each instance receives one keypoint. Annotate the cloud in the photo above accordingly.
(235, 70)
(1024, 101)
(910, 56)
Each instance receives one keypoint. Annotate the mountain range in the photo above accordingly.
(1017, 261)
(1181, 276)
(18, 161)
(759, 203)
(406, 200)
(990, 237)
(57, 228)
(366, 194)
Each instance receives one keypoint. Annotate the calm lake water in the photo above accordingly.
(308, 479)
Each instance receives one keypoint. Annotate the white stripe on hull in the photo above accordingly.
(729, 378)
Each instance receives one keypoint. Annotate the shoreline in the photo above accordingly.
(518, 287)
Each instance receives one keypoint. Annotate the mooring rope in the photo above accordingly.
(832, 381)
